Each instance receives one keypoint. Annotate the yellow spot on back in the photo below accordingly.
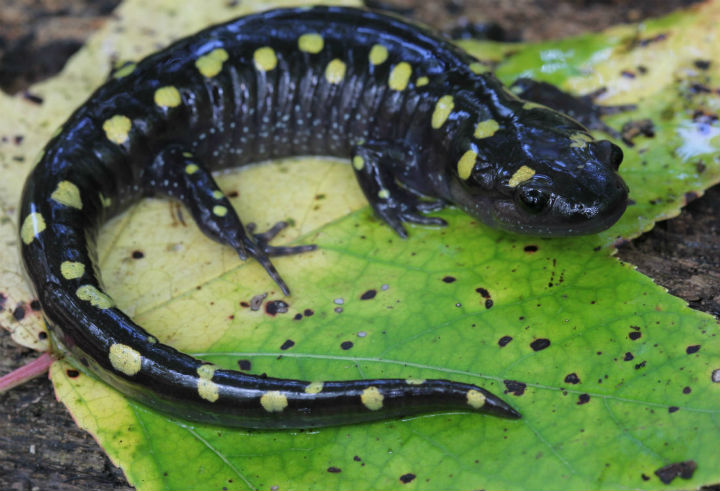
(274, 401)
(466, 163)
(167, 97)
(422, 81)
(478, 68)
(33, 224)
(311, 42)
(105, 202)
(443, 108)
(521, 175)
(217, 194)
(91, 294)
(314, 388)
(265, 58)
(378, 54)
(383, 194)
(117, 129)
(399, 76)
(211, 63)
(72, 270)
(207, 389)
(191, 169)
(335, 71)
(206, 371)
(124, 359)
(580, 140)
(358, 162)
(372, 398)
(486, 129)
(151, 339)
(220, 210)
(415, 381)
(475, 398)
(67, 194)
(125, 71)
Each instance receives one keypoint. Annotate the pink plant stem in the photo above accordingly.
(33, 369)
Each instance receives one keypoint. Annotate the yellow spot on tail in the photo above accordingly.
(265, 59)
(422, 81)
(218, 194)
(210, 64)
(167, 97)
(358, 162)
(206, 371)
(33, 224)
(533, 105)
(72, 270)
(274, 401)
(466, 163)
(105, 202)
(580, 140)
(335, 71)
(124, 359)
(125, 70)
(475, 398)
(378, 54)
(314, 388)
(67, 194)
(443, 108)
(400, 75)
(151, 339)
(383, 194)
(311, 42)
(521, 175)
(117, 129)
(372, 398)
(191, 169)
(220, 210)
(478, 68)
(91, 294)
(486, 129)
(207, 389)
(415, 381)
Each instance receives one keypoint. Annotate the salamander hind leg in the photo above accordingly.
(376, 166)
(177, 173)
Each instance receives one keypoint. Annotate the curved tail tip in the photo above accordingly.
(497, 407)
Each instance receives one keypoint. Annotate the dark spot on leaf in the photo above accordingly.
(287, 344)
(702, 64)
(308, 312)
(644, 477)
(671, 471)
(244, 304)
(233, 194)
(244, 364)
(19, 313)
(628, 356)
(627, 74)
(346, 345)
(356, 458)
(297, 316)
(406, 478)
(647, 41)
(42, 335)
(276, 307)
(319, 196)
(72, 373)
(449, 279)
(583, 399)
(686, 390)
(504, 340)
(572, 378)
(514, 387)
(540, 344)
(368, 295)
(640, 365)
(634, 335)
(489, 303)
(334, 470)
(531, 249)
(692, 349)
(35, 305)
(256, 301)
(483, 292)
(672, 409)
(35, 99)
(138, 254)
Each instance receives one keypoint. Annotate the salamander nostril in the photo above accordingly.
(608, 152)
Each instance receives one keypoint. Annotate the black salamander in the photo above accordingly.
(422, 124)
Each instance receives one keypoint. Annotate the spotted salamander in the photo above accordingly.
(421, 122)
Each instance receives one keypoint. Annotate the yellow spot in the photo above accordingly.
(125, 70)
(117, 129)
(220, 210)
(443, 108)
(580, 140)
(206, 371)
(210, 64)
(191, 169)
(486, 129)
(422, 81)
(124, 359)
(187, 155)
(378, 54)
(167, 97)
(383, 194)
(274, 401)
(105, 202)
(475, 398)
(207, 389)
(151, 339)
(400, 75)
(311, 42)
(265, 58)
(533, 105)
(67, 194)
(314, 388)
(521, 175)
(478, 68)
(358, 162)
(335, 71)
(466, 163)
(415, 381)
(217, 194)
(372, 398)
(72, 270)
(96, 298)
(33, 224)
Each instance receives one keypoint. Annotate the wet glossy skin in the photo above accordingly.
(403, 105)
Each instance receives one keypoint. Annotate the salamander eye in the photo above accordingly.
(533, 199)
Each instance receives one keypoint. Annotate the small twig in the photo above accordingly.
(27, 372)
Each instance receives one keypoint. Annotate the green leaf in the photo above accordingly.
(624, 388)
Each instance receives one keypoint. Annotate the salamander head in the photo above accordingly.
(532, 170)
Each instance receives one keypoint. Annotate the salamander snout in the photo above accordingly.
(606, 151)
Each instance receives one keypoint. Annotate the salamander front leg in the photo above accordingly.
(177, 173)
(374, 165)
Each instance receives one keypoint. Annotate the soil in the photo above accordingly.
(40, 446)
